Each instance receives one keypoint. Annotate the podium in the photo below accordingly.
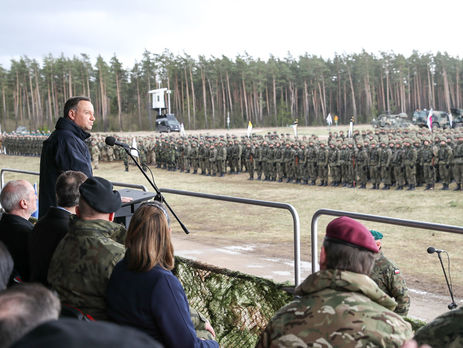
(126, 211)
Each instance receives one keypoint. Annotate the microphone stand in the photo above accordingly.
(159, 196)
(453, 305)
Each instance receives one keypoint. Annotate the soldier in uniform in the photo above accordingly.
(194, 157)
(444, 157)
(398, 165)
(221, 158)
(212, 160)
(410, 156)
(279, 166)
(427, 163)
(458, 163)
(361, 163)
(374, 165)
(90, 249)
(322, 164)
(249, 155)
(389, 279)
(339, 306)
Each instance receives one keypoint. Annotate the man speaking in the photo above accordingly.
(65, 148)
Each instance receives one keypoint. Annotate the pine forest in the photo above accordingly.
(205, 91)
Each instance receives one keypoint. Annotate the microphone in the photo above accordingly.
(432, 250)
(111, 141)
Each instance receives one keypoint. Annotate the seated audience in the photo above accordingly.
(444, 332)
(19, 201)
(143, 292)
(389, 279)
(6, 266)
(72, 333)
(52, 227)
(22, 308)
(340, 305)
(84, 259)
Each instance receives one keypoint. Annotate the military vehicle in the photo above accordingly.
(440, 119)
(457, 117)
(388, 120)
(165, 120)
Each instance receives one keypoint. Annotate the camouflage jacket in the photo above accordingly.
(444, 331)
(83, 262)
(389, 279)
(337, 309)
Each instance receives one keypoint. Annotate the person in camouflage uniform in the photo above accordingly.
(374, 165)
(212, 160)
(339, 306)
(250, 159)
(334, 162)
(221, 159)
(444, 156)
(446, 331)
(84, 259)
(389, 279)
(458, 163)
(361, 164)
(279, 165)
(398, 165)
(410, 157)
(322, 164)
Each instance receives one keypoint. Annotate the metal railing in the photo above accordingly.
(373, 218)
(3, 170)
(278, 205)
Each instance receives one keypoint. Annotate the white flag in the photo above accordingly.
(429, 121)
(450, 119)
(351, 129)
(134, 150)
(249, 132)
(182, 130)
(329, 119)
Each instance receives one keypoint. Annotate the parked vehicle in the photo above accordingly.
(167, 123)
(440, 119)
(391, 121)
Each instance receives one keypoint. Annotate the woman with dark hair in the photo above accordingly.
(143, 292)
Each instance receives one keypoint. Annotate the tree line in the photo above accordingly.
(205, 91)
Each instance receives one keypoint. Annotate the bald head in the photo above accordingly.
(18, 198)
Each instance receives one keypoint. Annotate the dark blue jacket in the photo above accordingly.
(155, 303)
(65, 149)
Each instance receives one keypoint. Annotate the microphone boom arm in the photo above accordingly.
(159, 194)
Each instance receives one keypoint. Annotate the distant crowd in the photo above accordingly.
(386, 158)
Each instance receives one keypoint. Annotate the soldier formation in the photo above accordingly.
(386, 158)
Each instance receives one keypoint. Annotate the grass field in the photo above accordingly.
(220, 223)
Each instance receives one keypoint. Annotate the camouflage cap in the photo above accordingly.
(346, 230)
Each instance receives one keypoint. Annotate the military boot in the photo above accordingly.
(411, 187)
(458, 188)
(445, 187)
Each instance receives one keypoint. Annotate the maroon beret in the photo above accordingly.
(349, 231)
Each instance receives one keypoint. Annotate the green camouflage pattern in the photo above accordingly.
(83, 262)
(389, 279)
(239, 306)
(446, 331)
(337, 309)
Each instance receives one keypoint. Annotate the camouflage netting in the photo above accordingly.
(238, 305)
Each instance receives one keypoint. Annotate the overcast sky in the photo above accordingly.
(35, 28)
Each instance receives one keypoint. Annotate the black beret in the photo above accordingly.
(99, 194)
(72, 333)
